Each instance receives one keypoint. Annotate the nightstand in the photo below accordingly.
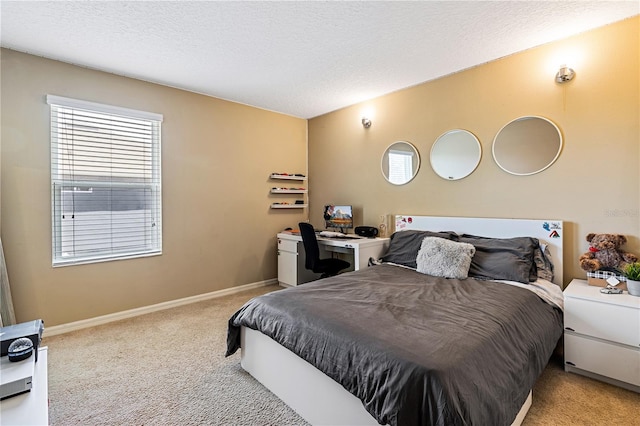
(602, 335)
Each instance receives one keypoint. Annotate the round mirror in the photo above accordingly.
(455, 154)
(527, 145)
(400, 162)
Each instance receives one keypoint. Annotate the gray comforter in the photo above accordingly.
(415, 349)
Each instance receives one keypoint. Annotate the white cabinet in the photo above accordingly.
(287, 262)
(291, 258)
(602, 334)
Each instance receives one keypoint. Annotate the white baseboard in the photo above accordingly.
(92, 322)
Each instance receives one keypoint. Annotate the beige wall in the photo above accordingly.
(218, 230)
(217, 156)
(593, 187)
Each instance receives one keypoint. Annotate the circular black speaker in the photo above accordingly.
(20, 349)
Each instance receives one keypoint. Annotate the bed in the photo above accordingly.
(391, 345)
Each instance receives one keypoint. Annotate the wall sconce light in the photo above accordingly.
(366, 123)
(565, 74)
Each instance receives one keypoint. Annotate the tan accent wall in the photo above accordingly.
(218, 230)
(594, 186)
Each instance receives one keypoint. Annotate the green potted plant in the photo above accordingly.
(632, 272)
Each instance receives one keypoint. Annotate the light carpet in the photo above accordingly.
(168, 368)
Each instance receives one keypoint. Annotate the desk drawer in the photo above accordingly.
(287, 245)
(616, 323)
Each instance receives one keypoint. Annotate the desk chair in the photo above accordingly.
(326, 267)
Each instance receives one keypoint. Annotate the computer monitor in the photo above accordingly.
(340, 217)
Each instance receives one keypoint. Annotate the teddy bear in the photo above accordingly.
(604, 252)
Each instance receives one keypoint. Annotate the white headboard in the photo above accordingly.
(546, 231)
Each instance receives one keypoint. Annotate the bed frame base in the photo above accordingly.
(314, 396)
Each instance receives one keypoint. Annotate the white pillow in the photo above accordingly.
(444, 258)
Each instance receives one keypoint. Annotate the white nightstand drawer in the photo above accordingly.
(615, 361)
(616, 323)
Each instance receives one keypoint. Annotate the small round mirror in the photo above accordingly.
(527, 145)
(455, 154)
(400, 163)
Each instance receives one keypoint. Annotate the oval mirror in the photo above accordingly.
(455, 154)
(527, 145)
(400, 163)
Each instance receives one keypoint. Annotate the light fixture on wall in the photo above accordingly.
(366, 122)
(565, 74)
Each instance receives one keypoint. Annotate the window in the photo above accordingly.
(105, 182)
(400, 166)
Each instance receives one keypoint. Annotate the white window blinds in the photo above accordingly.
(400, 166)
(105, 182)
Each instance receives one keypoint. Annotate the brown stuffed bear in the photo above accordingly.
(604, 252)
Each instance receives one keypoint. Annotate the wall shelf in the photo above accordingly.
(288, 206)
(288, 191)
(282, 176)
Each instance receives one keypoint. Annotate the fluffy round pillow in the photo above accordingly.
(444, 258)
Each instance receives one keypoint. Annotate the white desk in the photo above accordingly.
(356, 251)
(29, 408)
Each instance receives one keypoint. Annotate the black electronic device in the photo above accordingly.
(31, 330)
(366, 231)
(20, 349)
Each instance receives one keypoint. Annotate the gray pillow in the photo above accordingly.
(404, 245)
(502, 258)
(444, 258)
(542, 261)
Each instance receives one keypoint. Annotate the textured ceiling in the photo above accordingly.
(297, 57)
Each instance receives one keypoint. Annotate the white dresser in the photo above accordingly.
(602, 335)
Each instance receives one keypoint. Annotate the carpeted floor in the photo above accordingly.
(168, 368)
